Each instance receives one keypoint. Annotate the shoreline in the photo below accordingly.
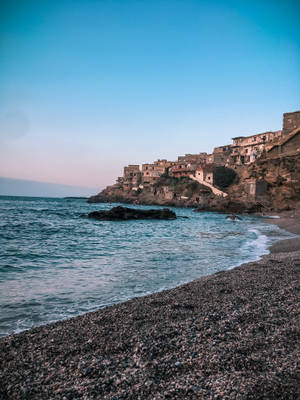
(289, 221)
(227, 335)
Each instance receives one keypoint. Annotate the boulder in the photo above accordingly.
(124, 213)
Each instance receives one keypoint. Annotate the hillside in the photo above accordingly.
(166, 191)
(280, 176)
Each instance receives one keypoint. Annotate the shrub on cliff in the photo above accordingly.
(224, 177)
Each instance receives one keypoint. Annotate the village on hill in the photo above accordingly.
(231, 170)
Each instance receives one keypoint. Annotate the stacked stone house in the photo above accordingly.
(131, 177)
(243, 151)
(188, 164)
(205, 172)
(152, 172)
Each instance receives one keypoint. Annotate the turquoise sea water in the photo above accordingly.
(55, 265)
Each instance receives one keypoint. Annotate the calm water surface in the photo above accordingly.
(54, 264)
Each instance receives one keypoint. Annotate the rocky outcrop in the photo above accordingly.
(124, 213)
(228, 205)
(281, 175)
(167, 191)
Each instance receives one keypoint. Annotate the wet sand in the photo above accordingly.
(231, 335)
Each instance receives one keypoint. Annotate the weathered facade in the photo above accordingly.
(187, 164)
(152, 172)
(221, 155)
(205, 173)
(289, 144)
(131, 177)
(246, 150)
(193, 158)
(256, 188)
(291, 121)
(182, 170)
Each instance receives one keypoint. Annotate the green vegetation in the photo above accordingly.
(224, 177)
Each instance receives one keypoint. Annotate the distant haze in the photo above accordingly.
(21, 187)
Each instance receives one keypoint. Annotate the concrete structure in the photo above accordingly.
(210, 159)
(193, 158)
(256, 188)
(215, 191)
(187, 164)
(288, 144)
(182, 170)
(131, 177)
(205, 173)
(152, 172)
(221, 155)
(246, 150)
(291, 121)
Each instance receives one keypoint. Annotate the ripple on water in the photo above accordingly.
(54, 264)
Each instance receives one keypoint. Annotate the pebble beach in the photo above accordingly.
(230, 335)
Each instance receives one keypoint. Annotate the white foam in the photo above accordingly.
(253, 249)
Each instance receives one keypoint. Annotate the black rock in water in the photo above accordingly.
(124, 213)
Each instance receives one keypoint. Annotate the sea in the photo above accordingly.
(55, 264)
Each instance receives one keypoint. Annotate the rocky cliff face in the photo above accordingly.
(166, 191)
(281, 176)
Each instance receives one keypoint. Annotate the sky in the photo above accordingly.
(88, 86)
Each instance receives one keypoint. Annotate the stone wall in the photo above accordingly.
(291, 121)
(256, 188)
(193, 158)
(131, 177)
(221, 155)
(292, 145)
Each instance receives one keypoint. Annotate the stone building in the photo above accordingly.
(221, 155)
(246, 150)
(187, 164)
(193, 158)
(205, 173)
(291, 121)
(181, 170)
(256, 189)
(131, 177)
(152, 172)
(210, 159)
(288, 144)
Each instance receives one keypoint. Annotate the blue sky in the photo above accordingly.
(89, 86)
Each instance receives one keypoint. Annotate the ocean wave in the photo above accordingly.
(65, 264)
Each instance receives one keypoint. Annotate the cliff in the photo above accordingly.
(166, 191)
(269, 184)
(282, 177)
